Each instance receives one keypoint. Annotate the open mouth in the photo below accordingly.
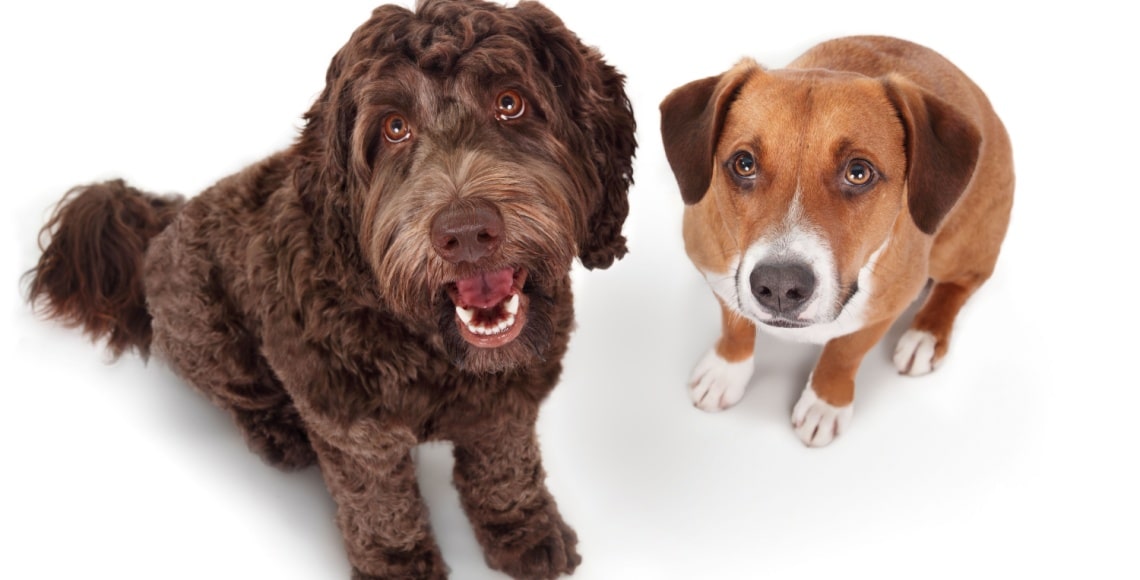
(490, 307)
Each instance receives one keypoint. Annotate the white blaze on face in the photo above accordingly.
(796, 241)
(847, 318)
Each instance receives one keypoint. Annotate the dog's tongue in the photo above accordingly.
(486, 289)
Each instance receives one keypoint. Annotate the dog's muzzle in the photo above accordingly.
(783, 289)
(490, 306)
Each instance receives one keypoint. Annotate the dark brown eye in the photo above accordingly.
(744, 165)
(509, 105)
(859, 172)
(396, 128)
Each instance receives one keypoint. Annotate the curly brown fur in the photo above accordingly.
(309, 295)
(90, 272)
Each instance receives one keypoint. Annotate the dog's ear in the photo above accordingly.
(692, 117)
(326, 142)
(595, 99)
(327, 174)
(942, 148)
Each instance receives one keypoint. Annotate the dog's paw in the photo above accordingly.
(422, 564)
(437, 574)
(915, 353)
(554, 556)
(817, 422)
(718, 384)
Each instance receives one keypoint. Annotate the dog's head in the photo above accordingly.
(795, 179)
(468, 152)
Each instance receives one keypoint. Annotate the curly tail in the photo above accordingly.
(90, 273)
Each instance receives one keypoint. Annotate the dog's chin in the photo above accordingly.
(495, 330)
(785, 323)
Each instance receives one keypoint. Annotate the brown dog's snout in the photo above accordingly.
(467, 232)
(782, 289)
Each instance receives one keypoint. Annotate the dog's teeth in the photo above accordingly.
(465, 314)
(509, 311)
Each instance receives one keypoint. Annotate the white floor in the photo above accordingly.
(1016, 459)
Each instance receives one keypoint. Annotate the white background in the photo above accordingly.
(1016, 459)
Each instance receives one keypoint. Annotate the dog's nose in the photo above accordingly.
(782, 288)
(467, 232)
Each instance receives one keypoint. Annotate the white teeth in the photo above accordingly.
(509, 322)
(510, 308)
(491, 330)
(465, 314)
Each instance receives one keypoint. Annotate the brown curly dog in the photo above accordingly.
(400, 274)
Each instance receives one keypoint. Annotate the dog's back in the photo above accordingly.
(983, 210)
(883, 56)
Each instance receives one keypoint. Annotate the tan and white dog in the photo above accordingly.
(822, 197)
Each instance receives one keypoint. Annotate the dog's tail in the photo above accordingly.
(90, 272)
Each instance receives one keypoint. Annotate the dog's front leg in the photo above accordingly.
(825, 407)
(721, 377)
(371, 475)
(499, 475)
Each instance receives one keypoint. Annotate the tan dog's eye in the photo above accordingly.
(396, 128)
(744, 165)
(509, 105)
(859, 172)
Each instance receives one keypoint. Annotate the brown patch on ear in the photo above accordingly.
(692, 117)
(942, 148)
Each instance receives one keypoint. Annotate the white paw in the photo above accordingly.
(914, 353)
(717, 384)
(816, 422)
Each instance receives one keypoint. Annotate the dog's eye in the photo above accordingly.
(509, 105)
(859, 173)
(396, 128)
(744, 165)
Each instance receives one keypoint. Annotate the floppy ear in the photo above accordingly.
(595, 98)
(326, 142)
(692, 117)
(328, 177)
(942, 148)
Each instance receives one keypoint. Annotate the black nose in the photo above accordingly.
(467, 232)
(782, 288)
